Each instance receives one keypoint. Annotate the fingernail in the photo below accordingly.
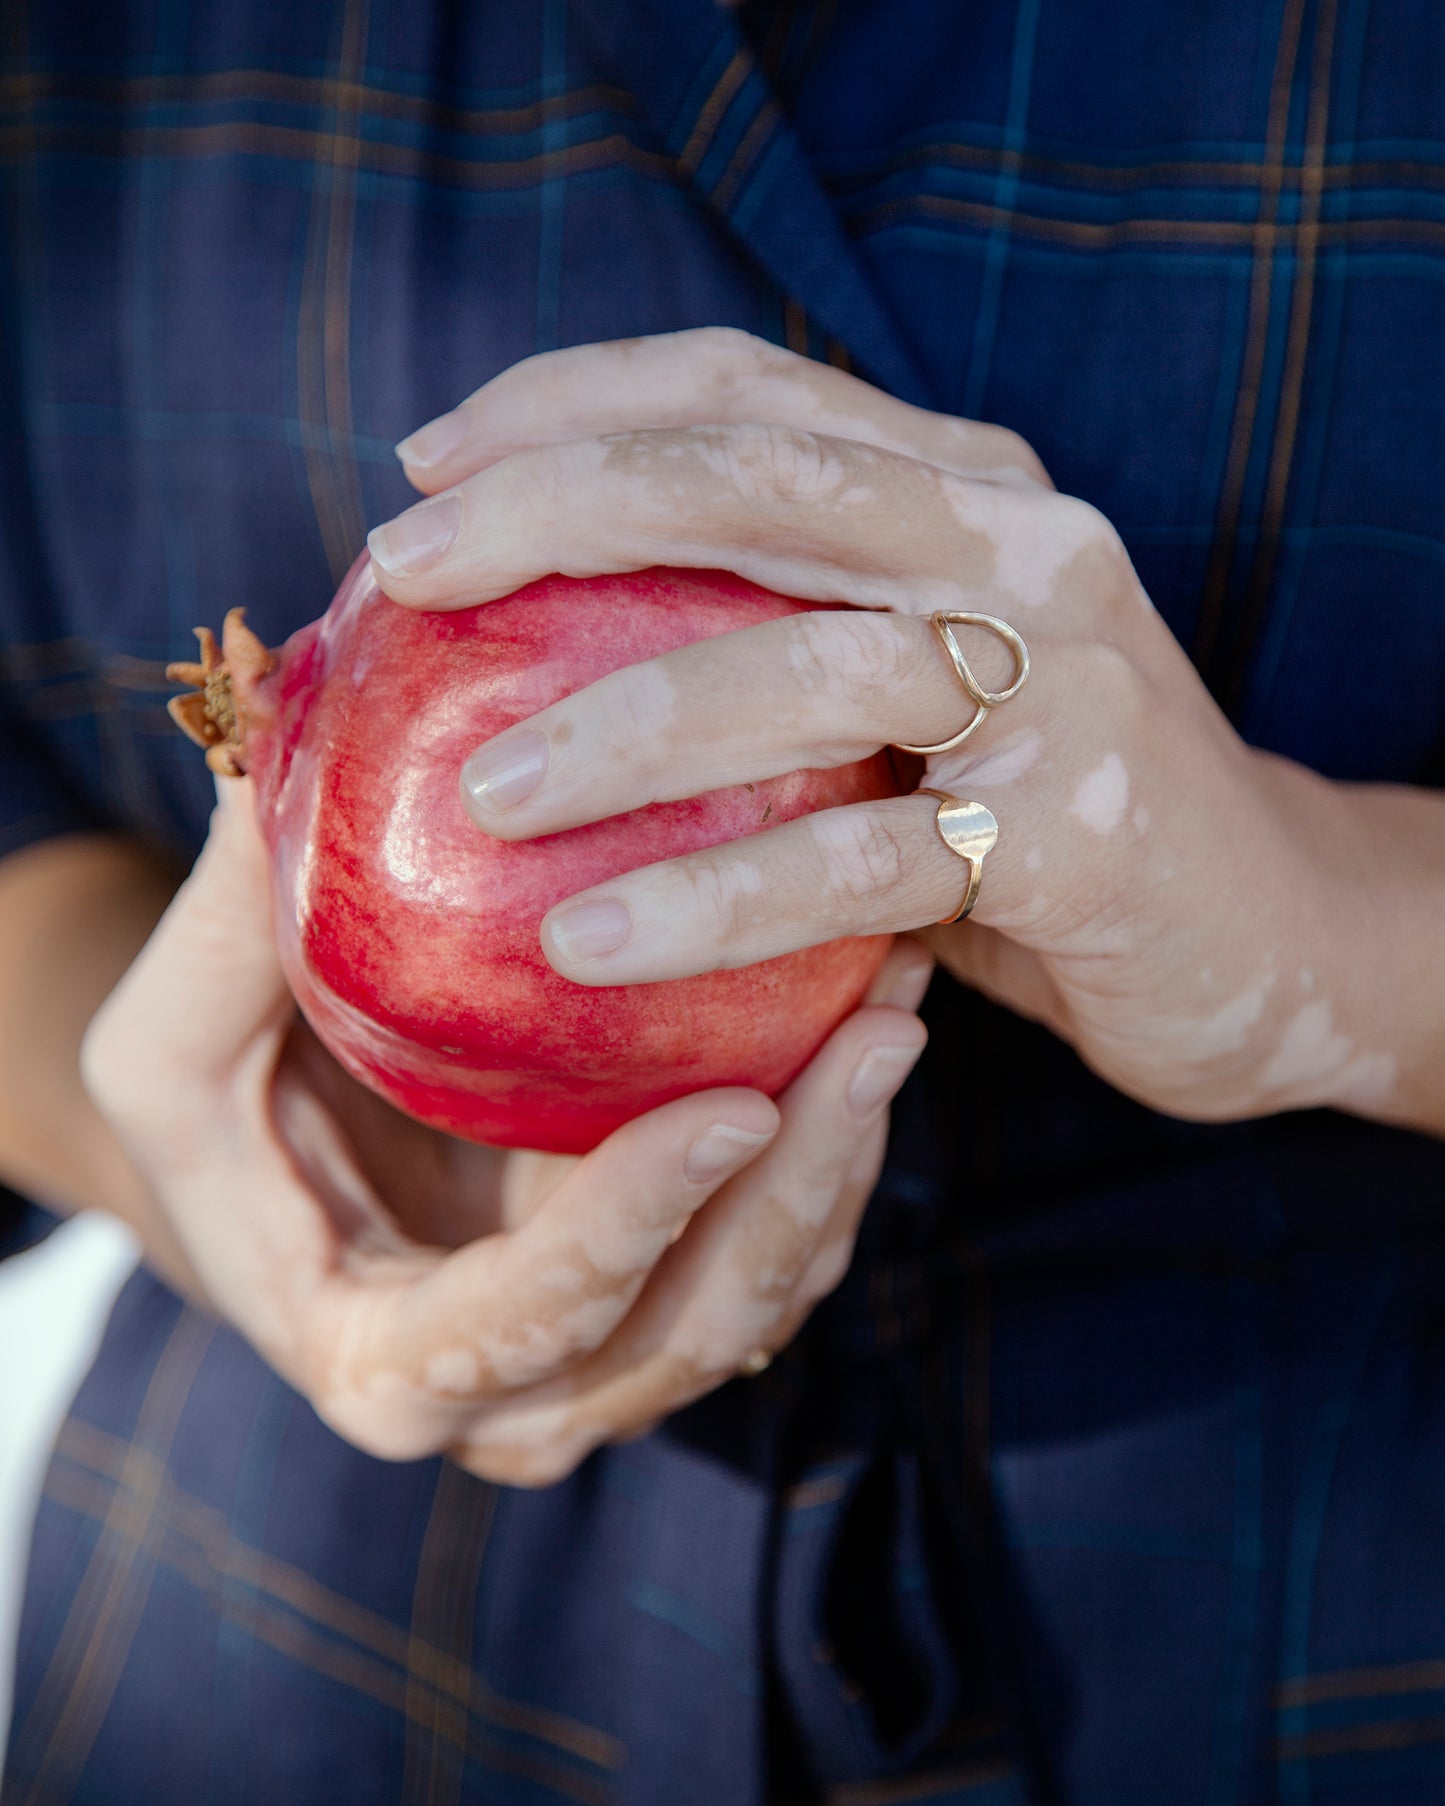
(507, 771)
(588, 930)
(720, 1150)
(879, 1077)
(436, 440)
(417, 538)
(908, 986)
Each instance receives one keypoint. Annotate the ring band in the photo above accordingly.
(969, 831)
(943, 622)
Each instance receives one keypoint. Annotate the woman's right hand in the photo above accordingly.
(427, 1295)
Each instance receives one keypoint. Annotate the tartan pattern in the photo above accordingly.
(1074, 1493)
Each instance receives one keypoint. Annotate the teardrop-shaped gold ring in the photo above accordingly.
(943, 623)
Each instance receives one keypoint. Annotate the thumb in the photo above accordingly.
(208, 982)
(233, 869)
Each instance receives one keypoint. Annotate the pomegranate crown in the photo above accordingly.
(214, 714)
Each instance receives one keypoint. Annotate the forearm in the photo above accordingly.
(1367, 1031)
(73, 914)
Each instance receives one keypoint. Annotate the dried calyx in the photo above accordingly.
(214, 714)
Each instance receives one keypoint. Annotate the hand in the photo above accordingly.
(426, 1294)
(1162, 896)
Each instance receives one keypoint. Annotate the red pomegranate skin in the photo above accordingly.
(411, 938)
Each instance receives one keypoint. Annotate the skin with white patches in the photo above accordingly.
(1312, 1054)
(1105, 934)
(453, 1372)
(737, 905)
(613, 1249)
(1033, 545)
(825, 1273)
(759, 462)
(1369, 1084)
(523, 1352)
(711, 450)
(1102, 797)
(711, 1342)
(570, 1278)
(1230, 1026)
(529, 1320)
(1006, 764)
(633, 383)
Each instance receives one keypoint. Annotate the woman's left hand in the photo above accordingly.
(1165, 898)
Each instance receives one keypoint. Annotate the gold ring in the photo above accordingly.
(943, 623)
(759, 1361)
(970, 831)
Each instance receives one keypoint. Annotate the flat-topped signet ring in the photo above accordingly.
(969, 831)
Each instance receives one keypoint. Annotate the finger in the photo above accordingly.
(207, 991)
(812, 515)
(711, 374)
(642, 1406)
(830, 1262)
(870, 868)
(739, 1266)
(731, 1285)
(1057, 766)
(511, 1309)
(901, 984)
(807, 691)
(904, 977)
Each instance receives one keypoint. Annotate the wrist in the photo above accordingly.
(1364, 897)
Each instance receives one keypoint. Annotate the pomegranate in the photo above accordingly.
(410, 938)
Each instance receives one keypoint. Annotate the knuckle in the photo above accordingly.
(525, 372)
(813, 656)
(532, 1353)
(1008, 447)
(785, 465)
(864, 859)
(543, 485)
(877, 658)
(549, 1466)
(825, 1273)
(1095, 569)
(853, 656)
(728, 350)
(1088, 530)
(697, 1355)
(527, 1468)
(376, 1411)
(533, 490)
(1116, 686)
(384, 1435)
(634, 706)
(727, 908)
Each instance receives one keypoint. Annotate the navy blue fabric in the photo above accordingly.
(1111, 1477)
(22, 1223)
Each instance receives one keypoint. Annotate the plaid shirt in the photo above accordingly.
(1113, 1475)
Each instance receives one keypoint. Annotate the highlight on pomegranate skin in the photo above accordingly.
(411, 938)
